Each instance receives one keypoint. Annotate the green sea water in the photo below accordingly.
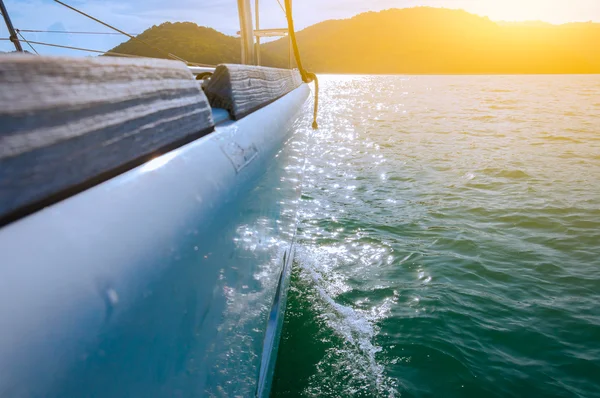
(449, 240)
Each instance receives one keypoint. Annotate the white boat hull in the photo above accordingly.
(157, 282)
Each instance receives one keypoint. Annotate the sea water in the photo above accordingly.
(448, 241)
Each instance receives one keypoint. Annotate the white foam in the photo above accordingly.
(350, 368)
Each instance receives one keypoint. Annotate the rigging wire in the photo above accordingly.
(25, 40)
(281, 6)
(173, 56)
(9, 26)
(307, 77)
(84, 49)
(70, 32)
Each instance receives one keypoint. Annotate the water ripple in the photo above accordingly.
(450, 240)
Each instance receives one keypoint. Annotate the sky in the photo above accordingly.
(135, 16)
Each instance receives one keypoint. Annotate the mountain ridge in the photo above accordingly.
(419, 40)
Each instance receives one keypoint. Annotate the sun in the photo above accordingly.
(524, 10)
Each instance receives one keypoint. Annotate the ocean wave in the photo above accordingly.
(461, 264)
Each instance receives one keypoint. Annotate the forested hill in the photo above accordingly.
(188, 41)
(437, 40)
(412, 40)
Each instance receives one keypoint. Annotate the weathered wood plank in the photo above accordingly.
(242, 89)
(69, 123)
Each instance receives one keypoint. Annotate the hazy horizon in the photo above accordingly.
(136, 15)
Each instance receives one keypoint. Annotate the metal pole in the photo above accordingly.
(290, 45)
(11, 29)
(257, 38)
(290, 51)
(246, 32)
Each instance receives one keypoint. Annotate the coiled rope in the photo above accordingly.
(307, 77)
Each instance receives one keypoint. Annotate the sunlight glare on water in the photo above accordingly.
(449, 240)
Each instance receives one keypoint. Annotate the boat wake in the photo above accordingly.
(349, 363)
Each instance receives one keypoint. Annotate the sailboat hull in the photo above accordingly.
(162, 280)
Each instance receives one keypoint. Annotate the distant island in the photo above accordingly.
(420, 40)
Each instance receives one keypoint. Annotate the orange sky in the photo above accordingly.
(554, 11)
(137, 15)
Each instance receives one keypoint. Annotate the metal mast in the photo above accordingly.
(246, 32)
(11, 28)
(257, 37)
(250, 48)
